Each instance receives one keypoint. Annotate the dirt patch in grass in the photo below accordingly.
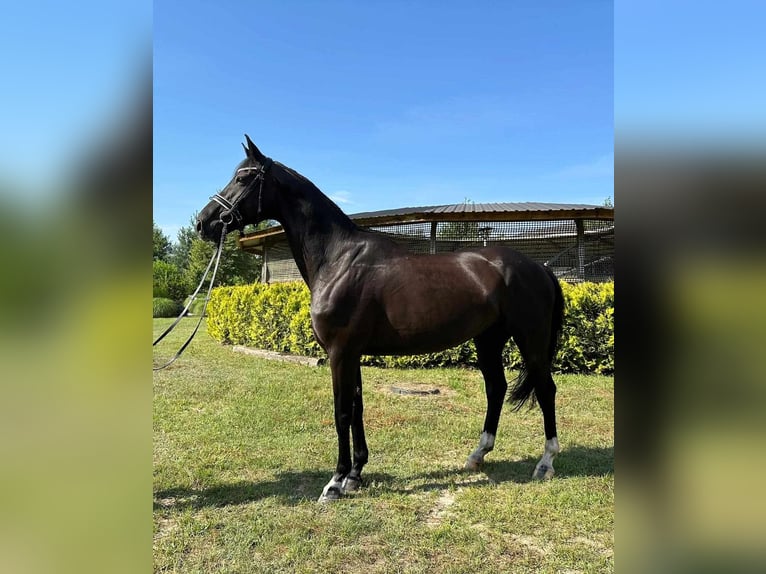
(165, 527)
(441, 509)
(414, 390)
(594, 544)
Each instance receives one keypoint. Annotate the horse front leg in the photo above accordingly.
(344, 376)
(354, 478)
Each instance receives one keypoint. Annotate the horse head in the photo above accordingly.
(246, 198)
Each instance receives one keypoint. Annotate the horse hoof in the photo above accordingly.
(543, 472)
(330, 494)
(473, 464)
(350, 484)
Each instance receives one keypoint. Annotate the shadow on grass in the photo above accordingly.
(290, 488)
(573, 461)
(294, 487)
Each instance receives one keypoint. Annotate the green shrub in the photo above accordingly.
(587, 339)
(230, 312)
(277, 317)
(164, 307)
(168, 281)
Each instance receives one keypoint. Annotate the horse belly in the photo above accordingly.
(414, 344)
(431, 326)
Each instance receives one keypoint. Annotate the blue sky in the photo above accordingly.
(385, 104)
(69, 72)
(691, 72)
(382, 104)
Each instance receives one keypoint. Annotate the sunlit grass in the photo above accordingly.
(243, 446)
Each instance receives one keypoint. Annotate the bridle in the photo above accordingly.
(229, 214)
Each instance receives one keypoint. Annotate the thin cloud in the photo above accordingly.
(602, 166)
(343, 197)
(451, 117)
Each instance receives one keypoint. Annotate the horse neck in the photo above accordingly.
(315, 227)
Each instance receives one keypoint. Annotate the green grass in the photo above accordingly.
(243, 447)
(196, 306)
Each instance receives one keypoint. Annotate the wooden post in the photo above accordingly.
(580, 249)
(433, 237)
(265, 265)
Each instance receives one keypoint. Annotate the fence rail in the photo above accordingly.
(575, 249)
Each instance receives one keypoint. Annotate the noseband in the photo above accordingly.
(230, 212)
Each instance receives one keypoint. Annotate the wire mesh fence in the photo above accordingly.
(575, 249)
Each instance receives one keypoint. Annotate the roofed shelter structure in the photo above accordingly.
(575, 240)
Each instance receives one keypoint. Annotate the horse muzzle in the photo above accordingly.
(209, 231)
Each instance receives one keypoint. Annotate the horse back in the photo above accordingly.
(399, 303)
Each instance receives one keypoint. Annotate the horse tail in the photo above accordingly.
(524, 386)
(557, 319)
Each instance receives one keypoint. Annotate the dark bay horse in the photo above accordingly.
(371, 296)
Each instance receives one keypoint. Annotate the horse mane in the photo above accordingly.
(305, 187)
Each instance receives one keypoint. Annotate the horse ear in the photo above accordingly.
(252, 151)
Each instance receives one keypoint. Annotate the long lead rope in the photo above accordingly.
(216, 257)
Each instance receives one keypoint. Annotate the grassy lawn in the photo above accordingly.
(243, 447)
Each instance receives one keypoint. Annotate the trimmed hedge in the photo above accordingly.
(164, 307)
(276, 317)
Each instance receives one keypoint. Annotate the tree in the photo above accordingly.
(236, 267)
(459, 230)
(182, 249)
(191, 255)
(162, 245)
(168, 281)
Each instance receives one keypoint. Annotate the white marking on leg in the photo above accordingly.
(350, 484)
(330, 489)
(544, 468)
(476, 458)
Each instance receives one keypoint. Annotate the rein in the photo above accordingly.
(216, 257)
(228, 216)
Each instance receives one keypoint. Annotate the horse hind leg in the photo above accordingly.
(535, 382)
(489, 349)
(545, 389)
